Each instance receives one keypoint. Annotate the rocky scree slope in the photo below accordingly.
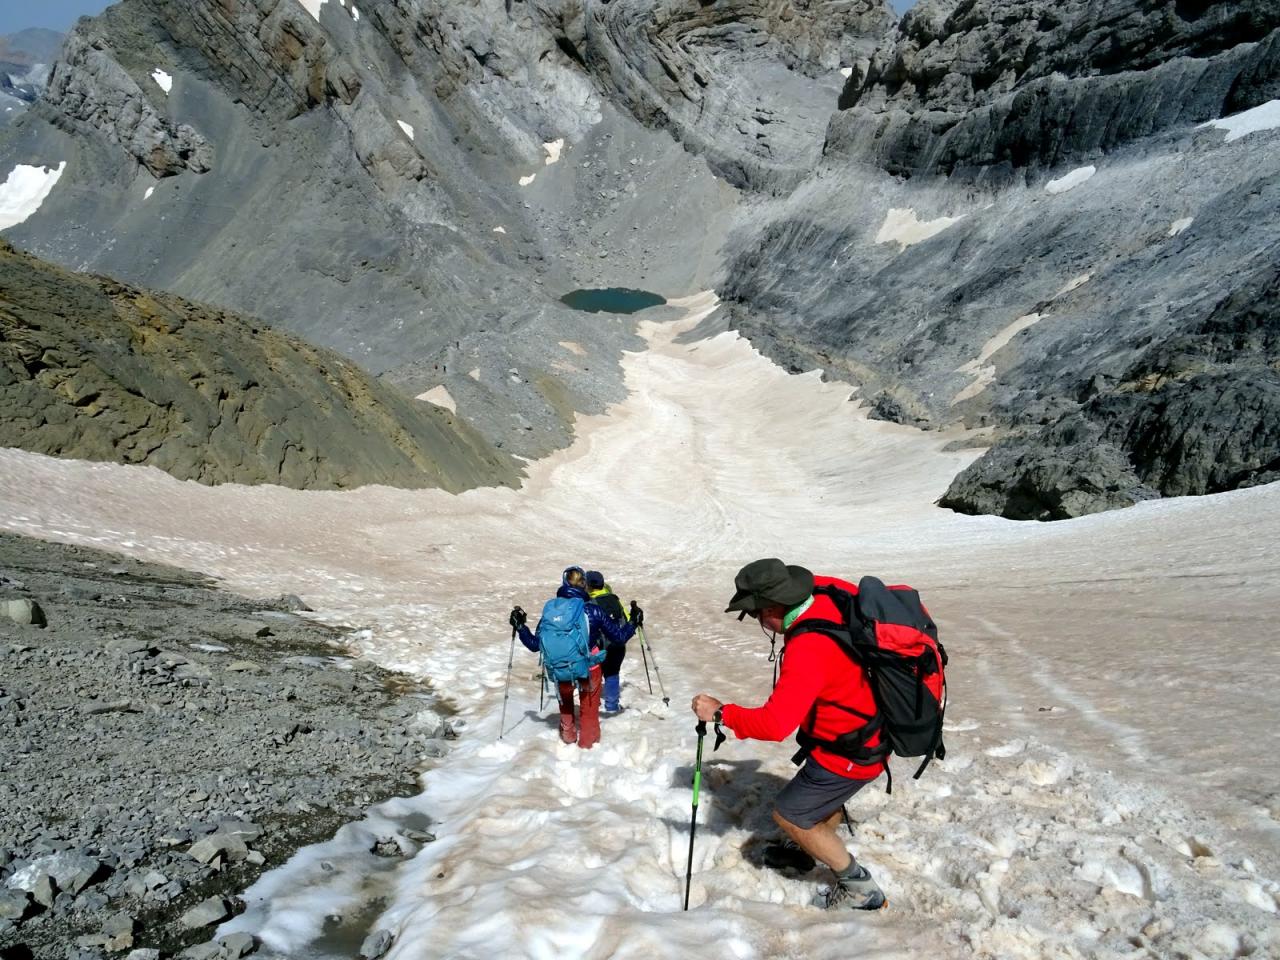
(164, 742)
(1100, 304)
(96, 370)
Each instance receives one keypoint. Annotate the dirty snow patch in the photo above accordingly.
(313, 7)
(983, 373)
(440, 397)
(499, 229)
(150, 191)
(1072, 180)
(846, 72)
(474, 374)
(24, 190)
(1180, 226)
(903, 227)
(553, 150)
(574, 348)
(525, 181)
(163, 80)
(1074, 284)
(408, 130)
(1265, 117)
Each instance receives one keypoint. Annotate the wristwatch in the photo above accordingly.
(718, 716)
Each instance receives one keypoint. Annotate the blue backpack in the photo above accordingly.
(565, 636)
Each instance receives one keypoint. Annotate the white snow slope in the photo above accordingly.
(1111, 789)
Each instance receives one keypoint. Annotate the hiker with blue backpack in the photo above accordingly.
(571, 636)
(861, 677)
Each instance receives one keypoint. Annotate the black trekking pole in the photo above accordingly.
(693, 824)
(665, 699)
(511, 659)
(502, 724)
(645, 656)
(542, 675)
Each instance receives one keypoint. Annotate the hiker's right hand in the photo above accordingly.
(705, 707)
(518, 618)
(637, 615)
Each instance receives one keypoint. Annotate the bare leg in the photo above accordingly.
(819, 841)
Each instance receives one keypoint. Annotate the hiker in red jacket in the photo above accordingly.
(822, 692)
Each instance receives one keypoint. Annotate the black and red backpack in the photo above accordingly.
(888, 632)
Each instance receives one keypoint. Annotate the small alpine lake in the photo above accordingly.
(612, 300)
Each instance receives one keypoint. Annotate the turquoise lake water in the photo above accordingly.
(612, 300)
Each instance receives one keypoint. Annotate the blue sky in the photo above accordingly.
(16, 15)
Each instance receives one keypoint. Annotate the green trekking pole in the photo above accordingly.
(693, 824)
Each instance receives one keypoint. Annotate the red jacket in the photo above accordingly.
(814, 671)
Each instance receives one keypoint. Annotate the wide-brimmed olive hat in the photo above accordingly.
(770, 583)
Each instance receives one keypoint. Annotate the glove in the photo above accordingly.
(518, 618)
(637, 615)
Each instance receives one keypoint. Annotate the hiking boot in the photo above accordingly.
(787, 855)
(858, 892)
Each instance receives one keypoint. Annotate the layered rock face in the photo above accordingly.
(972, 85)
(1076, 283)
(92, 369)
(745, 83)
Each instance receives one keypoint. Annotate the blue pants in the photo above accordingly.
(612, 689)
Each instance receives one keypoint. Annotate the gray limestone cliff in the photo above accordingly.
(1027, 218)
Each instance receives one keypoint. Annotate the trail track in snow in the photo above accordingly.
(1089, 806)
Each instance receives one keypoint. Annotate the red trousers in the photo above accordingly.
(586, 730)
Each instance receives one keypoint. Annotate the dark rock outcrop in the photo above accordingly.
(1197, 413)
(93, 369)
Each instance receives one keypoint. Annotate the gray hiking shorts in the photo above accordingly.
(815, 793)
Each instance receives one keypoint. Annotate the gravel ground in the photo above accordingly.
(163, 742)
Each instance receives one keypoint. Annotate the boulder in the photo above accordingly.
(26, 612)
(229, 846)
(236, 945)
(13, 904)
(376, 945)
(206, 913)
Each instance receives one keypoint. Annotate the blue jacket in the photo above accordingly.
(604, 630)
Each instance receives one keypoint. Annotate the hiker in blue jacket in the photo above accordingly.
(585, 671)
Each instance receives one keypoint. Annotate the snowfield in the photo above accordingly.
(1111, 789)
(24, 190)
